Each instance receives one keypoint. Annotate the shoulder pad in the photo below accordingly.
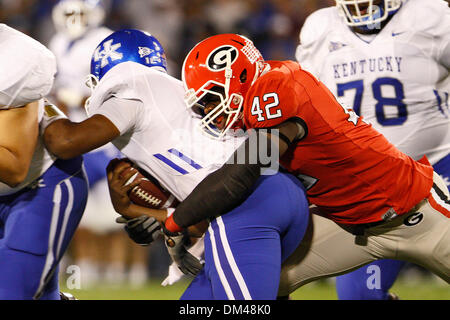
(271, 100)
(28, 69)
(317, 24)
(426, 16)
(122, 82)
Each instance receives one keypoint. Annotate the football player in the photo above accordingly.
(42, 198)
(79, 30)
(137, 106)
(372, 201)
(388, 60)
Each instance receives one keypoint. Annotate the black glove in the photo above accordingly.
(176, 246)
(143, 230)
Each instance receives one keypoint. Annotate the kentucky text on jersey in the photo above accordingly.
(361, 66)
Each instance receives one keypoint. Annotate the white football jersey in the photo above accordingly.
(161, 135)
(74, 60)
(394, 79)
(28, 70)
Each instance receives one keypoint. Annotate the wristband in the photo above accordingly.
(171, 226)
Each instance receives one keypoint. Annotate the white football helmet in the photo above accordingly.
(364, 13)
(75, 17)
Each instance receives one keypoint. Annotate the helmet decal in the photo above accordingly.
(217, 59)
(127, 45)
(250, 51)
(109, 51)
(144, 51)
(220, 68)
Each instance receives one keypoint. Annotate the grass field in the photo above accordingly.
(322, 290)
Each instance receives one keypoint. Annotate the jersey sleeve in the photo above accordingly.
(432, 18)
(443, 53)
(125, 114)
(271, 101)
(313, 30)
(28, 69)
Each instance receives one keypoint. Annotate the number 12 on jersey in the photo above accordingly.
(266, 114)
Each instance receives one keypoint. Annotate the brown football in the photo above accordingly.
(149, 193)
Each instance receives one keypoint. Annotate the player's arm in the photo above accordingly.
(229, 186)
(119, 190)
(433, 19)
(67, 139)
(19, 131)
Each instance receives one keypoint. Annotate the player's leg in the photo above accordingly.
(38, 228)
(244, 248)
(52, 291)
(371, 282)
(354, 285)
(200, 288)
(69, 175)
(422, 235)
(326, 250)
(294, 228)
(92, 249)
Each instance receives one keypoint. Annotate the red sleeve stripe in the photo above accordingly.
(439, 201)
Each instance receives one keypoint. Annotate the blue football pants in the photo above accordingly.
(244, 248)
(36, 226)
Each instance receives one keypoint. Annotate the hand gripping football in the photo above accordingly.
(149, 193)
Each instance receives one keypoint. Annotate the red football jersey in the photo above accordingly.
(352, 173)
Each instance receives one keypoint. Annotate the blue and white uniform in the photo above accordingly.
(38, 217)
(73, 59)
(160, 134)
(244, 248)
(397, 79)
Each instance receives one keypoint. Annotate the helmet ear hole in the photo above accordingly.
(243, 76)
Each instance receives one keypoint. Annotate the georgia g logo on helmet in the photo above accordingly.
(217, 59)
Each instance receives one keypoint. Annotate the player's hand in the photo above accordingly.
(118, 187)
(176, 246)
(143, 230)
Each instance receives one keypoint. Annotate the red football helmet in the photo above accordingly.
(224, 66)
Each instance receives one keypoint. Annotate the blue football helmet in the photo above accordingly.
(123, 46)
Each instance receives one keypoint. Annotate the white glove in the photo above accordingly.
(174, 273)
(176, 246)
